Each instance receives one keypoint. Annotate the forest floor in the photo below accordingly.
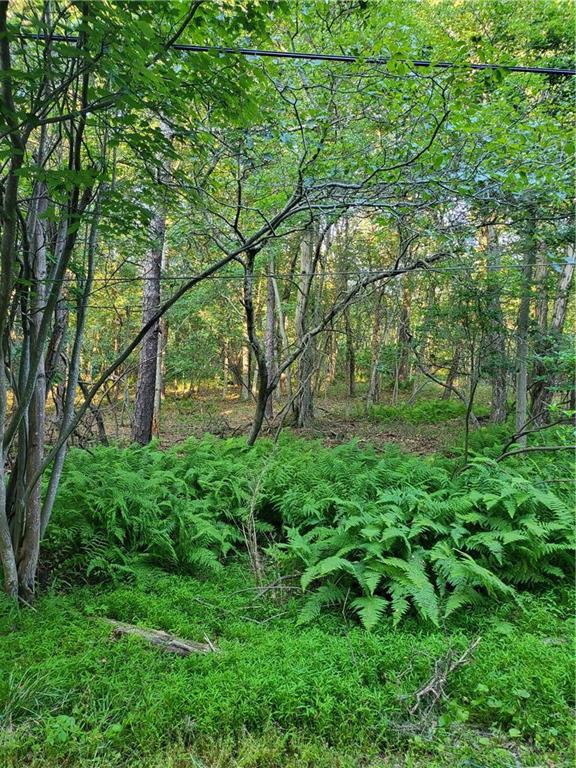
(338, 419)
(277, 694)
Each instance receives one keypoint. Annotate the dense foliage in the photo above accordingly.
(377, 534)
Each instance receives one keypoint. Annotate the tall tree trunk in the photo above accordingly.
(497, 338)
(29, 546)
(375, 350)
(304, 401)
(350, 355)
(246, 373)
(543, 376)
(522, 332)
(404, 334)
(225, 365)
(270, 336)
(284, 344)
(159, 385)
(149, 362)
(262, 391)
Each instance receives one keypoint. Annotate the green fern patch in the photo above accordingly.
(378, 535)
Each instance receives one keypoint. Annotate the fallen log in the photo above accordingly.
(163, 640)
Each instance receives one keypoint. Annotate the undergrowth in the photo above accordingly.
(376, 534)
(426, 412)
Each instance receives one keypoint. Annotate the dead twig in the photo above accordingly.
(433, 690)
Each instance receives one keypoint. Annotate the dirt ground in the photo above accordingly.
(337, 420)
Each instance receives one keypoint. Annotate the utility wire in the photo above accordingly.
(333, 57)
(286, 275)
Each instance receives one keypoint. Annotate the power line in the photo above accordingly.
(360, 274)
(333, 57)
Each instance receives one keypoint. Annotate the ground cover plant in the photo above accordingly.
(380, 533)
(276, 694)
(369, 559)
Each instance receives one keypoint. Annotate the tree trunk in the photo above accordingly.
(270, 336)
(304, 401)
(149, 362)
(149, 351)
(452, 374)
(246, 374)
(522, 332)
(225, 366)
(543, 377)
(350, 355)
(497, 338)
(404, 335)
(284, 344)
(375, 350)
(29, 546)
(159, 386)
(262, 392)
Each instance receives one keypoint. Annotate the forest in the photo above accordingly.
(287, 388)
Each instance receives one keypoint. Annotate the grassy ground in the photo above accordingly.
(277, 695)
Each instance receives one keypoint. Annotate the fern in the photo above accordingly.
(377, 534)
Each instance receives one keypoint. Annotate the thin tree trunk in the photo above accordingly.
(246, 373)
(404, 335)
(350, 356)
(149, 362)
(225, 369)
(262, 392)
(304, 402)
(270, 336)
(375, 350)
(30, 502)
(159, 386)
(452, 375)
(283, 336)
(497, 339)
(73, 375)
(522, 330)
(543, 377)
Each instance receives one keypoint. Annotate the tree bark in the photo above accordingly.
(246, 373)
(304, 401)
(522, 332)
(497, 339)
(350, 355)
(543, 378)
(270, 336)
(262, 391)
(149, 362)
(375, 350)
(404, 334)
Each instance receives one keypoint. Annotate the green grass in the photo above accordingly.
(276, 694)
(425, 412)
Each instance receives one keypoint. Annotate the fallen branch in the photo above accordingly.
(433, 690)
(531, 448)
(163, 640)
